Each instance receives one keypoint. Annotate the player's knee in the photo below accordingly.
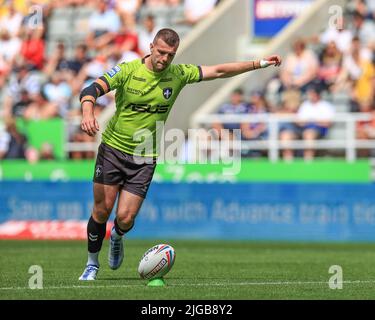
(100, 217)
(126, 218)
(101, 214)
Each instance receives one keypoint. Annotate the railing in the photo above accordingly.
(69, 146)
(349, 143)
(273, 145)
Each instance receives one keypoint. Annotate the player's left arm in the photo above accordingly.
(227, 70)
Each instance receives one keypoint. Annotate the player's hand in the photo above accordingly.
(274, 60)
(89, 125)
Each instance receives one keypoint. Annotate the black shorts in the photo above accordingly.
(115, 167)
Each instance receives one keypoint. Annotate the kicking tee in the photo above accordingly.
(143, 98)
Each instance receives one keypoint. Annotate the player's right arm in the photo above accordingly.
(111, 80)
(88, 97)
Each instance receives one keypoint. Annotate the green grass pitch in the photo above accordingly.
(202, 270)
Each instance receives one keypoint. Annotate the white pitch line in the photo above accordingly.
(207, 284)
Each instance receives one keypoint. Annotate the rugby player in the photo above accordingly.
(146, 90)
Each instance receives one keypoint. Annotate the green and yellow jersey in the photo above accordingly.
(143, 98)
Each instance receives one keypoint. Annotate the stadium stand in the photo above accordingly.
(50, 49)
(48, 54)
(338, 61)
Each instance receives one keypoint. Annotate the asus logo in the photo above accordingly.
(147, 108)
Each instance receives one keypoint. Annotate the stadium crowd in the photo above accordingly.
(338, 61)
(50, 50)
(44, 68)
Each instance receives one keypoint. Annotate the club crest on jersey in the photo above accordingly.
(167, 92)
(113, 71)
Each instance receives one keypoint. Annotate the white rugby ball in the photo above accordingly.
(156, 262)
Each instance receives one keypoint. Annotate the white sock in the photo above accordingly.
(115, 235)
(93, 259)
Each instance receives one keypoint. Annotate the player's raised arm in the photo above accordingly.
(227, 70)
(88, 97)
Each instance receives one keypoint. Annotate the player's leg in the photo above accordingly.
(104, 200)
(108, 179)
(127, 209)
(139, 173)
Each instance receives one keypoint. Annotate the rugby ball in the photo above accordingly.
(156, 262)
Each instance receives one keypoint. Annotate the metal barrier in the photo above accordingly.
(273, 145)
(70, 125)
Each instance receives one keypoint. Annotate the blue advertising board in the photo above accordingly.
(257, 211)
(270, 16)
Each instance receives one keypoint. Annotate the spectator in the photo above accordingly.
(255, 130)
(79, 60)
(58, 91)
(19, 107)
(126, 46)
(9, 48)
(363, 29)
(104, 23)
(315, 118)
(363, 89)
(356, 72)
(339, 35)
(300, 67)
(196, 10)
(330, 66)
(81, 137)
(155, 3)
(173, 3)
(11, 21)
(32, 47)
(289, 130)
(4, 71)
(360, 6)
(21, 80)
(235, 106)
(41, 108)
(147, 34)
(128, 9)
(12, 142)
(366, 129)
(32, 155)
(57, 60)
(89, 72)
(46, 152)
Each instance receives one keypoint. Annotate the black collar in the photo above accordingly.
(144, 58)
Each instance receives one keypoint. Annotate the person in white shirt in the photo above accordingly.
(196, 10)
(11, 21)
(315, 118)
(342, 38)
(147, 34)
(103, 24)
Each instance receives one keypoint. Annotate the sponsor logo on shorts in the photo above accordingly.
(98, 171)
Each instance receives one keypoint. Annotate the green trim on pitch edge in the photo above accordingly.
(249, 171)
